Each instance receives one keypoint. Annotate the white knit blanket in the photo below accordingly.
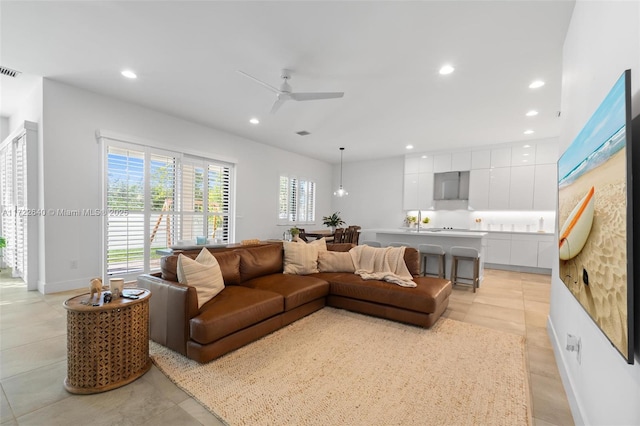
(382, 263)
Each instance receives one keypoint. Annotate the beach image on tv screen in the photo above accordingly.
(592, 217)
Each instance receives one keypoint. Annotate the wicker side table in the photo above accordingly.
(107, 345)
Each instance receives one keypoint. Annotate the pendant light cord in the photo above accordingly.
(341, 152)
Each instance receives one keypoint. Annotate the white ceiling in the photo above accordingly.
(385, 56)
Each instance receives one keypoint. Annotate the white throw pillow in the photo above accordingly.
(300, 258)
(203, 273)
(335, 261)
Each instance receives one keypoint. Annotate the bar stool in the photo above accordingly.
(398, 245)
(465, 254)
(371, 243)
(431, 250)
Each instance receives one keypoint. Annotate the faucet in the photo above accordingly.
(419, 220)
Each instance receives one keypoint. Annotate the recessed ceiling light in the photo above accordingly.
(532, 113)
(424, 156)
(528, 132)
(446, 69)
(526, 146)
(129, 74)
(254, 121)
(409, 146)
(535, 84)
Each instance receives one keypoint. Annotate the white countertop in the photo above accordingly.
(432, 233)
(452, 232)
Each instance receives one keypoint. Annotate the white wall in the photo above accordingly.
(603, 40)
(375, 193)
(4, 128)
(72, 175)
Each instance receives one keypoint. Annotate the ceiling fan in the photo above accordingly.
(285, 94)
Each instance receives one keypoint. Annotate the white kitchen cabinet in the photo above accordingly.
(545, 187)
(524, 250)
(499, 188)
(501, 157)
(546, 253)
(521, 188)
(410, 198)
(523, 155)
(498, 249)
(546, 152)
(461, 161)
(411, 165)
(425, 164)
(442, 163)
(481, 159)
(479, 181)
(425, 191)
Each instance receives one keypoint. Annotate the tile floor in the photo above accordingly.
(33, 359)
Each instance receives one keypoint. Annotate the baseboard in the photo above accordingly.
(48, 287)
(568, 385)
(514, 268)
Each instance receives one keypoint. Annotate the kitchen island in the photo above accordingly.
(443, 237)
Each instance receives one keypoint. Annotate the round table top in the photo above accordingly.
(85, 303)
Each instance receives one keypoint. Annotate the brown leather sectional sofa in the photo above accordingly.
(259, 299)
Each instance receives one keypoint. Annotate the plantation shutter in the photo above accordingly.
(297, 200)
(219, 201)
(7, 202)
(125, 235)
(163, 220)
(20, 186)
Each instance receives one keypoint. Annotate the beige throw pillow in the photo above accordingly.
(321, 243)
(203, 273)
(300, 258)
(335, 261)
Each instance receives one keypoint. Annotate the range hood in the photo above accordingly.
(451, 186)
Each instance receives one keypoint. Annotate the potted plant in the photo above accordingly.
(3, 244)
(294, 233)
(411, 221)
(333, 221)
(425, 220)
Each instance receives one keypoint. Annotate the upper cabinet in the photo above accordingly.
(461, 161)
(481, 159)
(501, 157)
(418, 182)
(518, 176)
(442, 163)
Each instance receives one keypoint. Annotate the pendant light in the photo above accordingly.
(341, 191)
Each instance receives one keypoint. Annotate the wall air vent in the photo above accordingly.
(9, 72)
(303, 133)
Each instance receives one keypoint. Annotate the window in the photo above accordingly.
(156, 199)
(297, 201)
(13, 190)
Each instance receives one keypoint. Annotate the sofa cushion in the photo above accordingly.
(235, 308)
(425, 297)
(300, 258)
(203, 273)
(258, 261)
(229, 262)
(335, 261)
(296, 289)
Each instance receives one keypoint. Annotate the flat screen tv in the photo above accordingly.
(595, 218)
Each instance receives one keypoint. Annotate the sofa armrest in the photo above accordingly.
(170, 309)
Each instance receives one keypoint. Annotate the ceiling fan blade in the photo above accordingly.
(316, 95)
(268, 86)
(276, 105)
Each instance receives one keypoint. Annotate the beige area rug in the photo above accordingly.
(336, 367)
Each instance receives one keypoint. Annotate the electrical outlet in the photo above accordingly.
(574, 344)
(73, 264)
